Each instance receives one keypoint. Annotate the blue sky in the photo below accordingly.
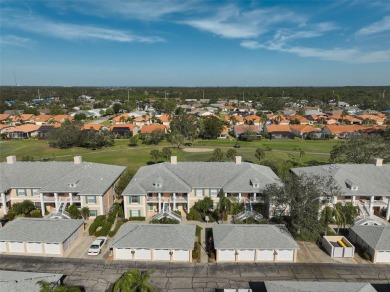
(195, 43)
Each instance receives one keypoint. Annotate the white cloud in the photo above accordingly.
(231, 22)
(68, 31)
(13, 40)
(376, 27)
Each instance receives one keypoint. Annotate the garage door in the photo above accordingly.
(123, 254)
(143, 254)
(16, 247)
(383, 257)
(285, 255)
(3, 246)
(227, 255)
(161, 255)
(246, 255)
(180, 255)
(53, 248)
(265, 255)
(34, 247)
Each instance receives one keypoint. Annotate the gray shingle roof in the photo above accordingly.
(184, 176)
(89, 178)
(377, 237)
(39, 230)
(303, 286)
(262, 236)
(13, 281)
(370, 179)
(166, 236)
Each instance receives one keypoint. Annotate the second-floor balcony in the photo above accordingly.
(62, 198)
(154, 198)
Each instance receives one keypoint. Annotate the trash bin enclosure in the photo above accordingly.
(338, 247)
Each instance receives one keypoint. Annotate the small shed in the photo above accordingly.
(154, 242)
(39, 236)
(338, 247)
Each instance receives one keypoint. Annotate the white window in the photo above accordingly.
(21, 192)
(91, 199)
(35, 192)
(134, 200)
(199, 192)
(214, 192)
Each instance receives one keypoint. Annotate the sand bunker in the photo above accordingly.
(198, 149)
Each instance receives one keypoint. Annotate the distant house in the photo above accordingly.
(124, 129)
(154, 242)
(40, 236)
(148, 129)
(253, 120)
(375, 239)
(45, 129)
(341, 131)
(23, 131)
(374, 119)
(62, 118)
(242, 131)
(253, 243)
(122, 119)
(5, 118)
(20, 119)
(224, 133)
(302, 120)
(165, 119)
(41, 119)
(302, 131)
(279, 132)
(234, 120)
(94, 127)
(5, 127)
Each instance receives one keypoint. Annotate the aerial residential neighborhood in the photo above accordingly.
(204, 146)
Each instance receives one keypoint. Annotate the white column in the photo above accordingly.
(56, 200)
(371, 205)
(388, 209)
(239, 197)
(254, 197)
(159, 202)
(100, 198)
(4, 203)
(42, 204)
(188, 201)
(174, 201)
(70, 199)
(353, 200)
(334, 200)
(125, 198)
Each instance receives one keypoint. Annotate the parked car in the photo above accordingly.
(97, 245)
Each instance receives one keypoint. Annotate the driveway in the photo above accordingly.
(310, 253)
(80, 247)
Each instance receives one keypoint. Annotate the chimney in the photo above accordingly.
(11, 159)
(173, 159)
(378, 161)
(238, 159)
(78, 159)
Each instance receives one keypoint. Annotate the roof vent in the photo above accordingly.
(11, 159)
(351, 185)
(255, 182)
(378, 161)
(158, 183)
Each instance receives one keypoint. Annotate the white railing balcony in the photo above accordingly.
(7, 198)
(180, 199)
(49, 198)
(76, 198)
(152, 199)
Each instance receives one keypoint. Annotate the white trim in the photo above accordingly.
(4, 203)
(42, 204)
(125, 207)
(101, 205)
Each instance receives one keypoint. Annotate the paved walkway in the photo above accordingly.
(98, 275)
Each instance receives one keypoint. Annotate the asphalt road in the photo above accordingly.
(99, 275)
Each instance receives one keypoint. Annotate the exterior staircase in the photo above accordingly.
(247, 213)
(60, 212)
(166, 213)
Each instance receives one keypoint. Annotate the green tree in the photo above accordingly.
(123, 181)
(339, 215)
(217, 155)
(327, 217)
(74, 211)
(154, 137)
(224, 205)
(361, 149)
(155, 154)
(85, 212)
(166, 153)
(80, 117)
(231, 154)
(277, 198)
(204, 206)
(210, 127)
(185, 124)
(22, 208)
(176, 138)
(116, 107)
(135, 281)
(260, 154)
(133, 141)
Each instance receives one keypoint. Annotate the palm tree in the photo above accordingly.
(224, 205)
(85, 212)
(339, 216)
(134, 281)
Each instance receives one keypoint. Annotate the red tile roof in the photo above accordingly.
(147, 129)
(278, 128)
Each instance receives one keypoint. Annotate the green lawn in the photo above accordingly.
(134, 157)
